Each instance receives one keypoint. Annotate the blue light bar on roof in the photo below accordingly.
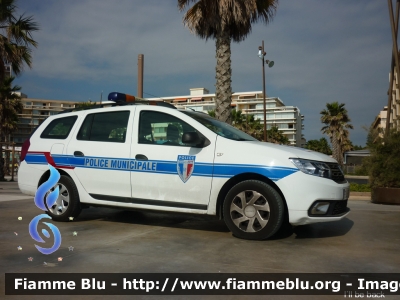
(115, 96)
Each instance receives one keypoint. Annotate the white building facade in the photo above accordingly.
(34, 112)
(394, 105)
(288, 119)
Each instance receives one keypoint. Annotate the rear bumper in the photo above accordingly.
(29, 176)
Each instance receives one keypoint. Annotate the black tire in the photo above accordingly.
(67, 204)
(253, 210)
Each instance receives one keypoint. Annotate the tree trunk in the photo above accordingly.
(336, 151)
(2, 164)
(223, 89)
(2, 71)
(7, 162)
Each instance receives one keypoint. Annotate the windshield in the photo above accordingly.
(220, 128)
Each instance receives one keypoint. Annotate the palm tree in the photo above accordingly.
(276, 137)
(238, 118)
(253, 127)
(15, 38)
(245, 123)
(223, 21)
(15, 50)
(337, 122)
(10, 107)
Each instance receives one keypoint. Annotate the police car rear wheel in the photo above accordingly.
(67, 204)
(253, 210)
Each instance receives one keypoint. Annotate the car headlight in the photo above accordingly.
(311, 167)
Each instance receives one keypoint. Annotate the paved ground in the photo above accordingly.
(117, 241)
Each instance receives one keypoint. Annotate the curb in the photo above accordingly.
(360, 196)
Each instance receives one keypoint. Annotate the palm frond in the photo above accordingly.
(207, 18)
(17, 40)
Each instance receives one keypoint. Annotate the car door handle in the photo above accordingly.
(78, 153)
(141, 157)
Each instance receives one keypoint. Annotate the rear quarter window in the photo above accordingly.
(59, 128)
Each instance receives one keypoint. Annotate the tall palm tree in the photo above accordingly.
(15, 38)
(15, 50)
(246, 123)
(277, 137)
(336, 122)
(223, 21)
(10, 107)
(238, 118)
(211, 113)
(253, 127)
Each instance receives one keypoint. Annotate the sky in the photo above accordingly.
(324, 51)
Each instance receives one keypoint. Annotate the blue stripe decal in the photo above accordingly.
(161, 166)
(61, 160)
(36, 159)
(270, 172)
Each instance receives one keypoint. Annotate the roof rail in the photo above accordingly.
(119, 99)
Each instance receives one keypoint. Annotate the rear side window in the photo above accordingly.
(105, 127)
(59, 128)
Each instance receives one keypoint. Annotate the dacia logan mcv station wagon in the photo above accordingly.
(162, 158)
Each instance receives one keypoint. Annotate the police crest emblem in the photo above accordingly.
(185, 166)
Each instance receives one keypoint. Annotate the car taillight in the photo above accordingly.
(24, 149)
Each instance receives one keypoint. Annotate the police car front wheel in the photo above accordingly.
(67, 204)
(253, 210)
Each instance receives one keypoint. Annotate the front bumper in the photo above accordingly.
(299, 217)
(302, 192)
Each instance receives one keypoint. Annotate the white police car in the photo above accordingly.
(157, 157)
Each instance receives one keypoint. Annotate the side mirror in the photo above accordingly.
(193, 139)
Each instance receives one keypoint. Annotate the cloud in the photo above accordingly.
(324, 51)
(95, 39)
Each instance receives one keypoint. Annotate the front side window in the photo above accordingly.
(58, 128)
(162, 129)
(105, 127)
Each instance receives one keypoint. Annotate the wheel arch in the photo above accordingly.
(46, 176)
(74, 206)
(243, 177)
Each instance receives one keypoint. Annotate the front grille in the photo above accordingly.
(339, 207)
(336, 173)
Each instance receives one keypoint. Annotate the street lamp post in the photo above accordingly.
(261, 55)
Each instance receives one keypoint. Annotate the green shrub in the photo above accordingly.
(356, 170)
(384, 163)
(355, 187)
(361, 171)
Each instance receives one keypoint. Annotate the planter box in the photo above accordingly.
(386, 195)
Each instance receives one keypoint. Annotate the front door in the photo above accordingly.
(166, 172)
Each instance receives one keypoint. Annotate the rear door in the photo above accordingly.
(100, 153)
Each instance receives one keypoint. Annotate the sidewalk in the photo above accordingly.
(360, 196)
(9, 190)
